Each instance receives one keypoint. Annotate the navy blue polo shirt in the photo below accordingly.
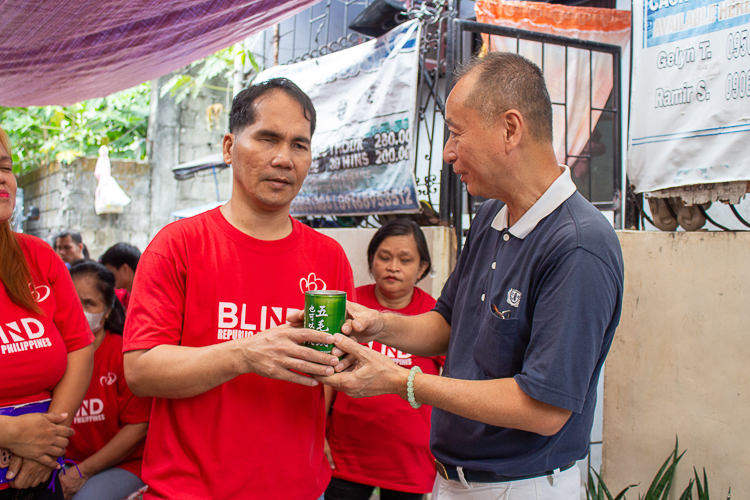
(538, 302)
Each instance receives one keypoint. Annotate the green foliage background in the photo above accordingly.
(40, 135)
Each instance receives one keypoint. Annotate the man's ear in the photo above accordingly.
(514, 128)
(126, 267)
(226, 148)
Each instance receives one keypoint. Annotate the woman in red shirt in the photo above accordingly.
(383, 441)
(45, 353)
(112, 423)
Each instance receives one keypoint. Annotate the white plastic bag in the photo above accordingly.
(109, 198)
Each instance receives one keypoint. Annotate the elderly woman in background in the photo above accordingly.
(46, 354)
(383, 441)
(111, 429)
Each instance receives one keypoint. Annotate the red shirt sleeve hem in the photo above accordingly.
(79, 344)
(144, 344)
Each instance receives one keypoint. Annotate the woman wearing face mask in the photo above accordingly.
(45, 353)
(383, 441)
(112, 423)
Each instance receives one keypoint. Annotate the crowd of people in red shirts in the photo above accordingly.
(102, 441)
(213, 341)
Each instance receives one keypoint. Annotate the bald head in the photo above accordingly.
(501, 81)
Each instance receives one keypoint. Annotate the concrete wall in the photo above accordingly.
(440, 240)
(679, 362)
(179, 133)
(64, 195)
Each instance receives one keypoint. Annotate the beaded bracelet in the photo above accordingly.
(410, 387)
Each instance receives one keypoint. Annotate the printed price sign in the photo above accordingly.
(363, 148)
(690, 105)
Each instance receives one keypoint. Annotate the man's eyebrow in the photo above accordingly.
(448, 122)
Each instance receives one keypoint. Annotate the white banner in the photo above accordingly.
(690, 105)
(365, 98)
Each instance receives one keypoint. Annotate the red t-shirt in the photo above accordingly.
(382, 440)
(107, 407)
(124, 297)
(202, 282)
(34, 347)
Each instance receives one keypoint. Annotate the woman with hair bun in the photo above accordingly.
(45, 353)
(382, 441)
(112, 423)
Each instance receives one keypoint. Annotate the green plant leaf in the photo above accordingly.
(688, 493)
(651, 493)
(702, 488)
(603, 488)
(621, 495)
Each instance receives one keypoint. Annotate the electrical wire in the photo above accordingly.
(739, 217)
(709, 219)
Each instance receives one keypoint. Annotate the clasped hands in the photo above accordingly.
(361, 372)
(38, 439)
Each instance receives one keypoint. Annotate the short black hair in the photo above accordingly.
(401, 227)
(243, 105)
(119, 254)
(105, 283)
(76, 238)
(506, 81)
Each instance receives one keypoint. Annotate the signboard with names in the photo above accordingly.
(690, 100)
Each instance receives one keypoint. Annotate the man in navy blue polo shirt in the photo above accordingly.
(527, 316)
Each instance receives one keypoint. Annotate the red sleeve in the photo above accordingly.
(68, 316)
(157, 303)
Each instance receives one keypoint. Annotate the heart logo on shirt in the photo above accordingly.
(40, 293)
(311, 283)
(108, 379)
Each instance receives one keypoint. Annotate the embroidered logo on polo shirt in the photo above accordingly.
(514, 297)
(311, 283)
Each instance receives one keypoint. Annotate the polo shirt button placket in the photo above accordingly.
(506, 237)
(482, 297)
(494, 265)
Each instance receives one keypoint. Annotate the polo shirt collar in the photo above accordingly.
(555, 195)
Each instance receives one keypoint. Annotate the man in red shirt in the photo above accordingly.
(122, 260)
(234, 415)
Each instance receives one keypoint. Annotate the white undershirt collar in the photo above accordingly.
(555, 195)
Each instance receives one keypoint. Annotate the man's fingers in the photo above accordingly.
(309, 354)
(290, 376)
(307, 335)
(346, 344)
(336, 380)
(311, 368)
(345, 363)
(295, 318)
(14, 467)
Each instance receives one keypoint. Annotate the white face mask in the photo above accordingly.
(94, 320)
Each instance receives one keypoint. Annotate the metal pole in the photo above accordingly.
(276, 40)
